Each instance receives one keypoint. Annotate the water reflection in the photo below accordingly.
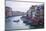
(10, 24)
(17, 30)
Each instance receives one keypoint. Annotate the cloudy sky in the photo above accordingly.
(20, 6)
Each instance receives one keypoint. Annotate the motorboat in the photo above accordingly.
(16, 21)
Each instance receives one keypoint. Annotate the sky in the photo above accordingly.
(20, 6)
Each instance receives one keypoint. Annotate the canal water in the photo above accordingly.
(11, 25)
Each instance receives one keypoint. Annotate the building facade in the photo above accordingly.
(36, 13)
(36, 10)
(8, 11)
(31, 11)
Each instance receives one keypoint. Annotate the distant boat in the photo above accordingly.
(16, 21)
